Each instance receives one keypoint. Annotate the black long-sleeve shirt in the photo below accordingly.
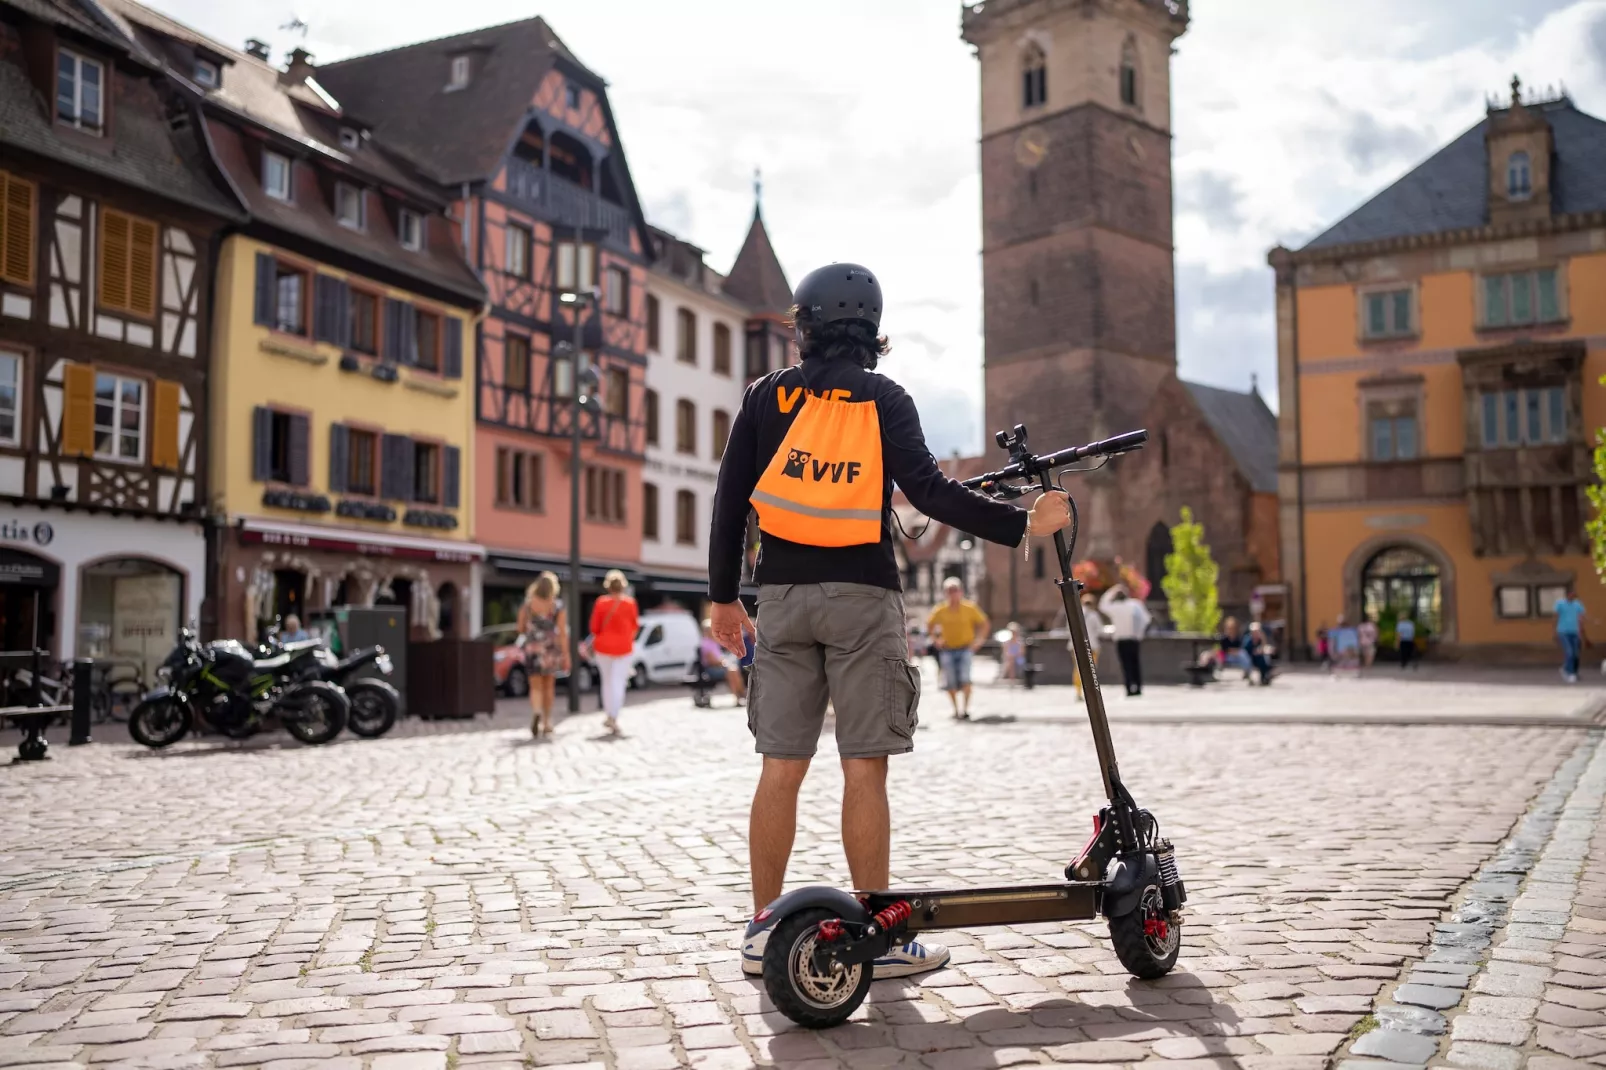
(757, 433)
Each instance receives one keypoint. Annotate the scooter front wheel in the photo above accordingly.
(1147, 940)
(812, 995)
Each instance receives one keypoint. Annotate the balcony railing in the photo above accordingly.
(565, 203)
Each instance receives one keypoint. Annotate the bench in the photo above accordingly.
(33, 720)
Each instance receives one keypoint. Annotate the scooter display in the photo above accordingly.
(818, 961)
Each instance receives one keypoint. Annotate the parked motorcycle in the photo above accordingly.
(375, 704)
(224, 687)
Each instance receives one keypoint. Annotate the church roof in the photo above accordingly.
(1246, 427)
(1450, 189)
(757, 279)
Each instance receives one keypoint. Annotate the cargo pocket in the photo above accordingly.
(900, 696)
(752, 702)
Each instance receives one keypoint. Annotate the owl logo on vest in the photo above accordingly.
(796, 461)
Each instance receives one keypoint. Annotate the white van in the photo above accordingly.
(666, 648)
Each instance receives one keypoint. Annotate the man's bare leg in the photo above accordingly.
(866, 821)
(953, 696)
(967, 698)
(772, 825)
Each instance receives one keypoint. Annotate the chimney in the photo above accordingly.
(300, 68)
(256, 48)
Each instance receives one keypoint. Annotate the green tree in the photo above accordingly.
(1596, 526)
(1190, 578)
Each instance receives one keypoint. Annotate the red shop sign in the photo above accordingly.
(351, 546)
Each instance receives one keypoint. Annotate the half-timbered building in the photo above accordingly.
(109, 216)
(513, 122)
(342, 426)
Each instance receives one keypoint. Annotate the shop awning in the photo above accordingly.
(345, 540)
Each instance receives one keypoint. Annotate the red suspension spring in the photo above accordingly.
(894, 915)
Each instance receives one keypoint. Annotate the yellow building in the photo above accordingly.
(1440, 352)
(342, 413)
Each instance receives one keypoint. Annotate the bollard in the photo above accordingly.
(82, 684)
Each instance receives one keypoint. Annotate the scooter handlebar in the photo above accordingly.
(1108, 447)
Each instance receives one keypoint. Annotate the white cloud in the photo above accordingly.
(864, 120)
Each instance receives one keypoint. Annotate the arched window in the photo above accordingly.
(1519, 177)
(1154, 555)
(1129, 74)
(1034, 77)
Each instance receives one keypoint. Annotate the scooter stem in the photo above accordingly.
(1071, 594)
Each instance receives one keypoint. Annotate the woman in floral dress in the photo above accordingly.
(546, 647)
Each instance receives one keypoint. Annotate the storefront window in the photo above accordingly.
(129, 611)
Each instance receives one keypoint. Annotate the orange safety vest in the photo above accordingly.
(823, 486)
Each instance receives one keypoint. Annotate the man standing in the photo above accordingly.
(963, 629)
(1129, 619)
(1570, 631)
(814, 451)
(1405, 632)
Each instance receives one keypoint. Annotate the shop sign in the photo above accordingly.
(38, 534)
(352, 546)
(18, 569)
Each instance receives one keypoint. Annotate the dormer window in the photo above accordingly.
(207, 74)
(1034, 78)
(571, 95)
(410, 229)
(350, 205)
(276, 176)
(1519, 177)
(459, 75)
(80, 86)
(350, 140)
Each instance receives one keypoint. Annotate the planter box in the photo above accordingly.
(450, 678)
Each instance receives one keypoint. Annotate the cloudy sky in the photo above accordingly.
(863, 118)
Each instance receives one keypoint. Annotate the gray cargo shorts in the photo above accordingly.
(845, 642)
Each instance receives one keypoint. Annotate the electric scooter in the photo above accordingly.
(818, 960)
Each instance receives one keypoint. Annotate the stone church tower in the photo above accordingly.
(1079, 309)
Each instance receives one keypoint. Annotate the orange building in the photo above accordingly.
(1440, 352)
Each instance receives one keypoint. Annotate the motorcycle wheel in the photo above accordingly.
(321, 710)
(160, 723)
(374, 706)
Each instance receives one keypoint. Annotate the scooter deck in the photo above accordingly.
(963, 908)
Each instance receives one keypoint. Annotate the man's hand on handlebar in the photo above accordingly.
(728, 620)
(1049, 513)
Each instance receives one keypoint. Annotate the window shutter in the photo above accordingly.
(114, 257)
(142, 267)
(300, 451)
(451, 482)
(265, 294)
(16, 230)
(339, 457)
(407, 323)
(164, 425)
(452, 363)
(399, 329)
(261, 443)
(78, 410)
(323, 308)
(397, 477)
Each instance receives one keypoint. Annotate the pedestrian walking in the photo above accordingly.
(1405, 633)
(815, 449)
(1095, 633)
(1366, 633)
(614, 621)
(1129, 620)
(544, 628)
(1570, 633)
(961, 628)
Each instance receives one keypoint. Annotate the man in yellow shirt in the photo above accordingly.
(962, 628)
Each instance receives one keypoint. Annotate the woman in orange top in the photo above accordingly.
(613, 640)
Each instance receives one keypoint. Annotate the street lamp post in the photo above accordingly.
(578, 300)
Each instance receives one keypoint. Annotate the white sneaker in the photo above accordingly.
(913, 957)
(1572, 678)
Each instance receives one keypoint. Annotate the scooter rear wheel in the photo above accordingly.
(806, 995)
(1146, 940)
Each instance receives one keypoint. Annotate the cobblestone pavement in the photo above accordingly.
(458, 895)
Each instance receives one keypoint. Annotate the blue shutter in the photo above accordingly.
(397, 476)
(452, 363)
(261, 443)
(331, 310)
(264, 290)
(300, 450)
(451, 487)
(393, 330)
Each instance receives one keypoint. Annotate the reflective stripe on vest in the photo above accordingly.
(823, 486)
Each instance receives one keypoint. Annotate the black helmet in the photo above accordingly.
(840, 292)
